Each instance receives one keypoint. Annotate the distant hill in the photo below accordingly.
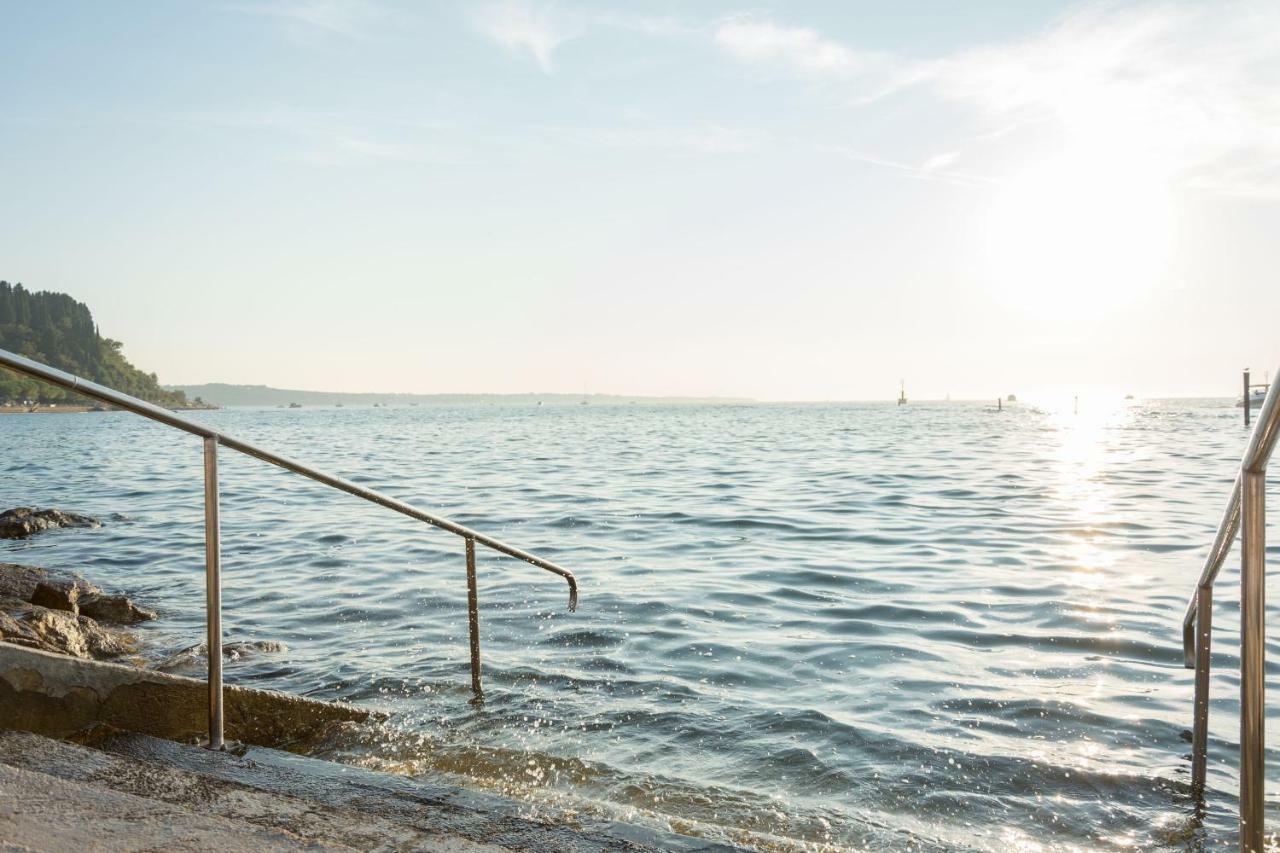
(55, 329)
(261, 395)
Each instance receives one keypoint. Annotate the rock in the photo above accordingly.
(20, 581)
(114, 608)
(26, 624)
(25, 521)
(70, 593)
(61, 593)
(16, 632)
(194, 658)
(57, 612)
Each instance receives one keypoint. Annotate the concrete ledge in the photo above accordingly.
(55, 695)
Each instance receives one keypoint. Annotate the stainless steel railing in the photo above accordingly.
(213, 562)
(1246, 514)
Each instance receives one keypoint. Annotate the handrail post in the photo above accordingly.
(213, 591)
(1252, 638)
(1245, 398)
(473, 620)
(1200, 728)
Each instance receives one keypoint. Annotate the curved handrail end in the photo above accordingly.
(1189, 639)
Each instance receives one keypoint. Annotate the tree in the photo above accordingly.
(55, 329)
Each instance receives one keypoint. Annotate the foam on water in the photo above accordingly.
(845, 626)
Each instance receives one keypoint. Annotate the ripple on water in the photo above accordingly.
(843, 626)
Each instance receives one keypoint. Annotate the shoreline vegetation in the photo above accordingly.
(55, 329)
(56, 409)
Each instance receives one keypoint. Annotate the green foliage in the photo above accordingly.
(55, 329)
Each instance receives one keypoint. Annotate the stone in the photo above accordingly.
(78, 636)
(25, 624)
(20, 581)
(61, 593)
(71, 593)
(25, 521)
(114, 608)
(15, 631)
(194, 659)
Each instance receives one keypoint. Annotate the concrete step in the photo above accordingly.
(304, 801)
(45, 812)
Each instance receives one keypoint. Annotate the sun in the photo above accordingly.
(1078, 233)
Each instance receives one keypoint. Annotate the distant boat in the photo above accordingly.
(1257, 393)
(902, 393)
(295, 405)
(1012, 398)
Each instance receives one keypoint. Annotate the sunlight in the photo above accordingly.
(1082, 232)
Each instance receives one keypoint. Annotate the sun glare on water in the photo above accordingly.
(1079, 233)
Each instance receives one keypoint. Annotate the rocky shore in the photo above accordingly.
(66, 614)
(27, 521)
(57, 611)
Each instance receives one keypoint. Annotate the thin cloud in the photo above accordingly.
(1189, 89)
(1193, 90)
(699, 139)
(937, 172)
(335, 139)
(349, 18)
(527, 28)
(939, 161)
(797, 49)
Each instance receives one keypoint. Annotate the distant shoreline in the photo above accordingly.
(77, 410)
(222, 394)
(43, 410)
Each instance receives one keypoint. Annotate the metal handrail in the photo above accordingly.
(1245, 514)
(213, 577)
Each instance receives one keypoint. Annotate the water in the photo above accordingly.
(802, 627)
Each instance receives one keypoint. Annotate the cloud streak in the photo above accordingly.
(527, 28)
(1192, 90)
(348, 18)
(797, 49)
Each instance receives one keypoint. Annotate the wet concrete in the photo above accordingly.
(56, 695)
(125, 789)
(134, 780)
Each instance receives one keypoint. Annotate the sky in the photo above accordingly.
(800, 201)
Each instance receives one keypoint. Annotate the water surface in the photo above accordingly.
(802, 627)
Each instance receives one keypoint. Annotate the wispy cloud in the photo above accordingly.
(696, 139)
(939, 161)
(935, 169)
(798, 49)
(1191, 89)
(350, 18)
(524, 27)
(343, 139)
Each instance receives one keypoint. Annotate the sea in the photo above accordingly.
(939, 626)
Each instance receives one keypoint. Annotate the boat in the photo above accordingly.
(902, 393)
(1257, 393)
(1012, 398)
